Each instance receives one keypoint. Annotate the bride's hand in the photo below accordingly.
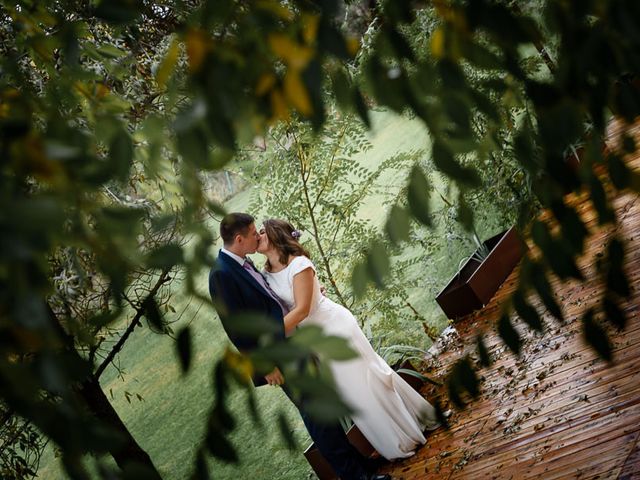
(275, 377)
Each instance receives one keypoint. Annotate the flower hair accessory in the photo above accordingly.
(296, 234)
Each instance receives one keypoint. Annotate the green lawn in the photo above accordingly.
(168, 422)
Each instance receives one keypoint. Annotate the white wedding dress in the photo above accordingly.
(390, 414)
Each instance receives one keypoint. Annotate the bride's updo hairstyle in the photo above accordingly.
(284, 238)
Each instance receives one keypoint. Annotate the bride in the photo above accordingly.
(389, 413)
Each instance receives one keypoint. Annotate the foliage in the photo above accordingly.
(21, 447)
(319, 182)
(94, 95)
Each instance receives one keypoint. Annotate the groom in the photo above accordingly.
(237, 287)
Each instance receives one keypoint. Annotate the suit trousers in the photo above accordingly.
(334, 445)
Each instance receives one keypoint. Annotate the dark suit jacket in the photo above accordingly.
(237, 292)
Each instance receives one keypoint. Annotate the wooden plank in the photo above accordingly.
(557, 412)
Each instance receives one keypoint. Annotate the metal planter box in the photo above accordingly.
(475, 283)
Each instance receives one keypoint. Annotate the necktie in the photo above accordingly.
(248, 266)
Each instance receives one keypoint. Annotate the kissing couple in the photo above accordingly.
(388, 412)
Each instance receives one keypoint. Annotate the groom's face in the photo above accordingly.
(249, 241)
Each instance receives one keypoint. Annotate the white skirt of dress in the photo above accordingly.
(389, 413)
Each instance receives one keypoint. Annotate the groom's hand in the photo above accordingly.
(275, 377)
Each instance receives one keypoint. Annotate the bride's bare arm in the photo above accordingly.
(302, 295)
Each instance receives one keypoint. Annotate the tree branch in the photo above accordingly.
(325, 260)
(162, 279)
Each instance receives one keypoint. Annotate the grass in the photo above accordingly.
(169, 420)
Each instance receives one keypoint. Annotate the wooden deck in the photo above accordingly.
(558, 412)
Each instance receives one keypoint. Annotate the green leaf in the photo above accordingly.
(102, 319)
(524, 152)
(121, 154)
(440, 416)
(252, 324)
(221, 418)
(329, 346)
(418, 196)
(252, 406)
(509, 334)
(628, 144)
(462, 378)
(220, 447)
(286, 433)
(458, 111)
(483, 353)
(134, 470)
(614, 313)
(153, 314)
(526, 311)
(544, 291)
(110, 51)
(397, 226)
(216, 208)
(202, 468)
(378, 263)
(359, 279)
(165, 257)
(617, 281)
(342, 88)
(454, 394)
(596, 336)
(444, 161)
(574, 230)
(399, 44)
(119, 11)
(280, 353)
(418, 375)
(465, 214)
(561, 262)
(481, 56)
(600, 201)
(452, 76)
(619, 172)
(387, 91)
(615, 252)
(467, 377)
(486, 106)
(334, 348)
(323, 411)
(361, 108)
(184, 346)
(560, 125)
(193, 146)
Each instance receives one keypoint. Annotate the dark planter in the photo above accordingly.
(473, 286)
(322, 468)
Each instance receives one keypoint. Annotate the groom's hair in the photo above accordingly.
(233, 224)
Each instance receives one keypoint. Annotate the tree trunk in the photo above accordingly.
(100, 406)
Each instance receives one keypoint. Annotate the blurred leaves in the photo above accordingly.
(596, 336)
(527, 312)
(462, 380)
(329, 347)
(93, 107)
(509, 334)
(286, 433)
(483, 353)
(397, 227)
(418, 196)
(184, 347)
